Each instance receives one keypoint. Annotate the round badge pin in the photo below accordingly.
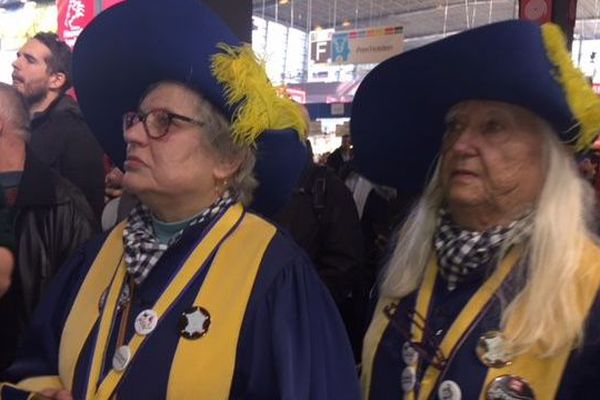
(121, 358)
(145, 322)
(409, 354)
(194, 323)
(408, 379)
(508, 387)
(449, 390)
(492, 350)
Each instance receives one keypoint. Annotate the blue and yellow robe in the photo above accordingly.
(290, 342)
(571, 374)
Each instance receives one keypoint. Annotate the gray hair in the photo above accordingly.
(13, 109)
(218, 135)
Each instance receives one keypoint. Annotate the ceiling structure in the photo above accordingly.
(423, 20)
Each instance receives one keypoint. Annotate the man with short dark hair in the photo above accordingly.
(60, 137)
(44, 218)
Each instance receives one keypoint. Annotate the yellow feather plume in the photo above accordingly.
(258, 104)
(584, 103)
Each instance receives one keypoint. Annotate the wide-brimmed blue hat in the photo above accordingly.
(137, 43)
(399, 109)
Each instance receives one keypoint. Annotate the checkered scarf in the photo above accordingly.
(461, 252)
(142, 248)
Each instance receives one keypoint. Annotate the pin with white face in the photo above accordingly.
(449, 390)
(408, 379)
(121, 358)
(145, 322)
(409, 354)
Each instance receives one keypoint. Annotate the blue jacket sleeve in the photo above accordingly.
(294, 344)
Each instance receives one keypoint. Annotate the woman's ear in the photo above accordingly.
(226, 167)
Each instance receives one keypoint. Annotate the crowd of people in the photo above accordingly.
(446, 250)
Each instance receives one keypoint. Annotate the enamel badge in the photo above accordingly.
(492, 350)
(194, 323)
(509, 387)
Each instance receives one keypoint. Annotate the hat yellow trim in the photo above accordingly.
(259, 106)
(583, 102)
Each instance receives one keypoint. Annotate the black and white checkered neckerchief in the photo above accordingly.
(461, 253)
(142, 248)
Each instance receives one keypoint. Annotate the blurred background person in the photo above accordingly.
(60, 138)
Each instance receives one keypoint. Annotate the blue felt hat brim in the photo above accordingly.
(399, 109)
(280, 161)
(137, 43)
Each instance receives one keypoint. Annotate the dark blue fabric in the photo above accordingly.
(280, 161)
(10, 393)
(292, 344)
(399, 108)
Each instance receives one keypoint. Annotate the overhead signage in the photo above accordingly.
(366, 46)
(320, 46)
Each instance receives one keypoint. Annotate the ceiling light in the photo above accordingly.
(282, 2)
(346, 23)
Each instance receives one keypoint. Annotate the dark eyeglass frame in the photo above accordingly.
(424, 348)
(131, 118)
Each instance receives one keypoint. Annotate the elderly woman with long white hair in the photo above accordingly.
(491, 289)
(192, 296)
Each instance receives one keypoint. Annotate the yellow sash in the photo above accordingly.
(85, 310)
(544, 374)
(232, 271)
(107, 268)
(203, 368)
(464, 320)
(167, 298)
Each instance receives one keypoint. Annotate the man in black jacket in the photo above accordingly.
(48, 215)
(322, 218)
(60, 137)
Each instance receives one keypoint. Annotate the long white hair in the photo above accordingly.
(561, 222)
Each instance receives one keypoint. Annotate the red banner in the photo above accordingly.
(73, 16)
(110, 3)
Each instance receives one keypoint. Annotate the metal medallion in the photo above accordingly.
(121, 358)
(492, 350)
(409, 354)
(449, 390)
(408, 379)
(194, 323)
(145, 322)
(509, 387)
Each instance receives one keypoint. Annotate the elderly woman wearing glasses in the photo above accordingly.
(491, 289)
(192, 297)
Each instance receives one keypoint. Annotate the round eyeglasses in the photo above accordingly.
(156, 122)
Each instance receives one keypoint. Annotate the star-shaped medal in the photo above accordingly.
(194, 323)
